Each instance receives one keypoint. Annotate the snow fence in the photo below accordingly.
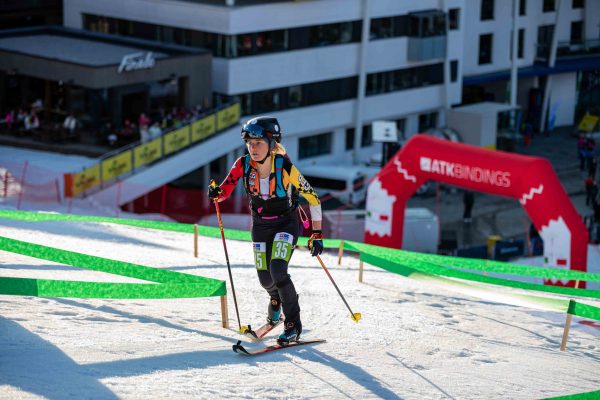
(401, 262)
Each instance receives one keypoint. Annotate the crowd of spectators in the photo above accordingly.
(66, 126)
(36, 121)
(148, 128)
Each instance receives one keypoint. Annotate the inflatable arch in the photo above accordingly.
(531, 180)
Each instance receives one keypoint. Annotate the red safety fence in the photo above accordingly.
(25, 183)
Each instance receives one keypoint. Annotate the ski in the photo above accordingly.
(239, 349)
(261, 332)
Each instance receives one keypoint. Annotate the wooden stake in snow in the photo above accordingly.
(224, 314)
(563, 344)
(360, 271)
(341, 253)
(196, 240)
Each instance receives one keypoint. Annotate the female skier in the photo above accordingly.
(271, 181)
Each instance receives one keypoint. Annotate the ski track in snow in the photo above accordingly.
(417, 340)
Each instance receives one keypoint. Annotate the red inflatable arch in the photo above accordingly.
(531, 180)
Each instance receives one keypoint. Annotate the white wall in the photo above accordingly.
(564, 93)
(501, 28)
(249, 74)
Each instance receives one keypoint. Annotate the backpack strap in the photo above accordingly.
(279, 188)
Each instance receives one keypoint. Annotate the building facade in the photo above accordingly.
(323, 68)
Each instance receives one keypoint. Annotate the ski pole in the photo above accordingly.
(237, 313)
(355, 316)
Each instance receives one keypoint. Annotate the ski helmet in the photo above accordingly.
(262, 128)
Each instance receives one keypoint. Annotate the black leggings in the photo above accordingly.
(274, 242)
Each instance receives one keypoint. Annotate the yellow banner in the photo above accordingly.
(203, 128)
(228, 116)
(83, 181)
(588, 122)
(146, 153)
(116, 166)
(177, 140)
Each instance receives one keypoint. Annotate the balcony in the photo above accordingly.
(426, 48)
(566, 49)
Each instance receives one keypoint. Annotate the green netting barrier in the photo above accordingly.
(394, 260)
(595, 395)
(164, 284)
(583, 310)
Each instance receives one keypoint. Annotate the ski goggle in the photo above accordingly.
(254, 131)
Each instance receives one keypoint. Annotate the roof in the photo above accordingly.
(562, 66)
(76, 50)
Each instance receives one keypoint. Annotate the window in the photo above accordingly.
(337, 33)
(407, 78)
(295, 96)
(522, 7)
(349, 138)
(312, 146)
(427, 121)
(454, 18)
(485, 48)
(521, 43)
(453, 70)
(367, 136)
(427, 24)
(577, 32)
(520, 40)
(549, 5)
(388, 27)
(578, 3)
(401, 126)
(487, 9)
(381, 28)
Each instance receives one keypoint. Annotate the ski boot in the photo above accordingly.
(291, 333)
(274, 311)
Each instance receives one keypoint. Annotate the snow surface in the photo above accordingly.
(417, 339)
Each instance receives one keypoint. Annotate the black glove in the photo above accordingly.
(214, 192)
(315, 243)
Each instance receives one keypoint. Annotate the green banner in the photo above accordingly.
(171, 284)
(394, 260)
(584, 310)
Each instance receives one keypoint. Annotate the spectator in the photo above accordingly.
(38, 104)
(155, 131)
(468, 200)
(596, 207)
(590, 151)
(21, 116)
(144, 134)
(143, 121)
(9, 119)
(127, 133)
(592, 167)
(70, 123)
(108, 133)
(589, 188)
(32, 121)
